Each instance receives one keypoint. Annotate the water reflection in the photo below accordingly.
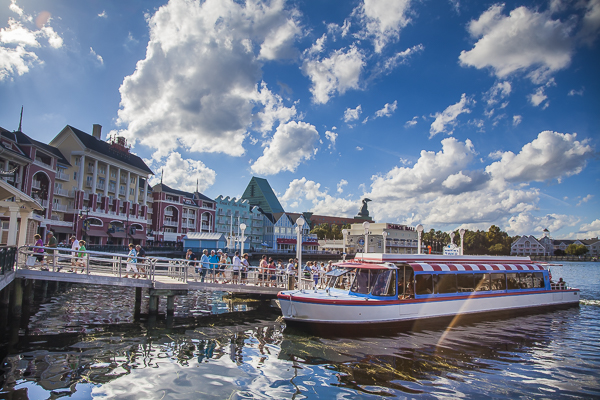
(251, 354)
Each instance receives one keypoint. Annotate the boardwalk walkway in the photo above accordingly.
(100, 268)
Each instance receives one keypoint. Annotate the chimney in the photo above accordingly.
(97, 131)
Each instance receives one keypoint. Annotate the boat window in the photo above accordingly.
(498, 282)
(362, 281)
(392, 285)
(424, 284)
(338, 278)
(538, 280)
(525, 280)
(482, 282)
(445, 283)
(405, 281)
(512, 281)
(465, 282)
(382, 285)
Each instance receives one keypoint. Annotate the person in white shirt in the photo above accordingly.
(236, 267)
(74, 247)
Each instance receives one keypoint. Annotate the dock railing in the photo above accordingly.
(66, 260)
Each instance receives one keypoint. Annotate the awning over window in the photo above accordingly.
(475, 267)
(139, 235)
(62, 229)
(121, 234)
(96, 232)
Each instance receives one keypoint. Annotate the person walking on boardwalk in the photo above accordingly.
(214, 263)
(245, 268)
(224, 264)
(52, 243)
(141, 260)
(81, 257)
(131, 262)
(262, 270)
(204, 264)
(74, 247)
(191, 257)
(235, 268)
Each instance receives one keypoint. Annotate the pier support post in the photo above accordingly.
(5, 299)
(44, 290)
(153, 305)
(170, 305)
(28, 291)
(138, 301)
(17, 300)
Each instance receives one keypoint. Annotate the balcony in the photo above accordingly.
(100, 186)
(88, 183)
(59, 207)
(62, 176)
(122, 192)
(90, 169)
(61, 192)
(169, 213)
(111, 189)
(170, 223)
(42, 163)
(191, 224)
(149, 210)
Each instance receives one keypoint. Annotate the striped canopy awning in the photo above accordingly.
(475, 267)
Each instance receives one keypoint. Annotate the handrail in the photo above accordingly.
(154, 268)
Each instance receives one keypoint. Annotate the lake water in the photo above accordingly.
(85, 342)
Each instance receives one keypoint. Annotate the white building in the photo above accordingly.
(400, 239)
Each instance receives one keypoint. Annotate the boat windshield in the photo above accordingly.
(378, 282)
(338, 278)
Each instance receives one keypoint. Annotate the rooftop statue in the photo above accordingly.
(364, 212)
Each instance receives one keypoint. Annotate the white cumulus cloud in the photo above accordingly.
(334, 74)
(172, 101)
(292, 143)
(551, 155)
(352, 114)
(525, 40)
(447, 118)
(182, 174)
(387, 110)
(383, 20)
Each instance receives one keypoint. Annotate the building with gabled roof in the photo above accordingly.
(259, 193)
(104, 191)
(178, 213)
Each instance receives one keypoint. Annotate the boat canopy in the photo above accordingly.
(422, 267)
(365, 265)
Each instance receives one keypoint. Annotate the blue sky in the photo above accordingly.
(447, 113)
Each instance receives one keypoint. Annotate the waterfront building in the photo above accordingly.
(259, 193)
(284, 236)
(103, 189)
(198, 241)
(400, 239)
(177, 213)
(528, 246)
(231, 213)
(33, 168)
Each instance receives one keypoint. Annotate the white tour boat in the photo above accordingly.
(380, 288)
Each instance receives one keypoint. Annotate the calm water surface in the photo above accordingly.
(86, 343)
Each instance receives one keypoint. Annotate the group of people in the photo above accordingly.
(217, 264)
(270, 272)
(136, 261)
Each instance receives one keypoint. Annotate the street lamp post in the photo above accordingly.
(462, 240)
(344, 234)
(366, 226)
(300, 222)
(419, 232)
(242, 228)
(384, 234)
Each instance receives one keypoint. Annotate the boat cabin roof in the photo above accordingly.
(350, 264)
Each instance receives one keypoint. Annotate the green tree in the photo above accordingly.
(577, 249)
